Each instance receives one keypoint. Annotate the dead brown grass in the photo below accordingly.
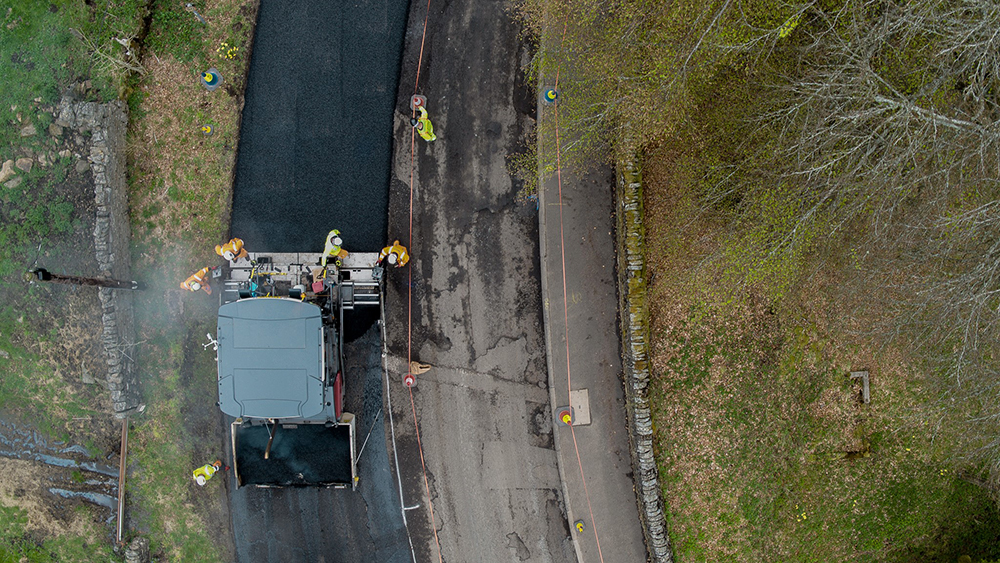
(25, 484)
(184, 191)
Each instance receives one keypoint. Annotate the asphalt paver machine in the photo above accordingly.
(281, 365)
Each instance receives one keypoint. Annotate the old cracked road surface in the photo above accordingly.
(483, 410)
(484, 414)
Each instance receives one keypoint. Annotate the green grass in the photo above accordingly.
(33, 211)
(764, 452)
(18, 546)
(176, 31)
(767, 455)
(165, 482)
(166, 443)
(29, 389)
(38, 56)
(44, 56)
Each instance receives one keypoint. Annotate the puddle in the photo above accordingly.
(75, 450)
(106, 501)
(72, 463)
(29, 445)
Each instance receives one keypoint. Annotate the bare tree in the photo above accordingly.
(888, 123)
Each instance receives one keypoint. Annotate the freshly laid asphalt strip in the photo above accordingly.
(316, 137)
(314, 155)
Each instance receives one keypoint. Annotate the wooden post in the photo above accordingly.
(865, 393)
(121, 481)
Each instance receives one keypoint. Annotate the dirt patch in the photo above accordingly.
(26, 484)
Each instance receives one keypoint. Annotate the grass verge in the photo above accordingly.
(49, 346)
(180, 193)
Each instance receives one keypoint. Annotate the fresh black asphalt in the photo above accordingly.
(316, 136)
(314, 155)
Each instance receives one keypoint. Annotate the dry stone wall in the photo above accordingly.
(635, 343)
(106, 124)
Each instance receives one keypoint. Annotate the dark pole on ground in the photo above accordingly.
(121, 482)
(41, 274)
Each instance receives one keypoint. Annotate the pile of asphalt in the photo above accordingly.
(357, 322)
(316, 136)
(309, 454)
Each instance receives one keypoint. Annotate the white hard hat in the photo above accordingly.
(392, 258)
(200, 480)
(195, 286)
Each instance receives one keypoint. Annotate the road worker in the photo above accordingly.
(205, 472)
(395, 254)
(423, 125)
(332, 248)
(232, 250)
(198, 280)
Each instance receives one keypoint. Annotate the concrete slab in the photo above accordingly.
(579, 399)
